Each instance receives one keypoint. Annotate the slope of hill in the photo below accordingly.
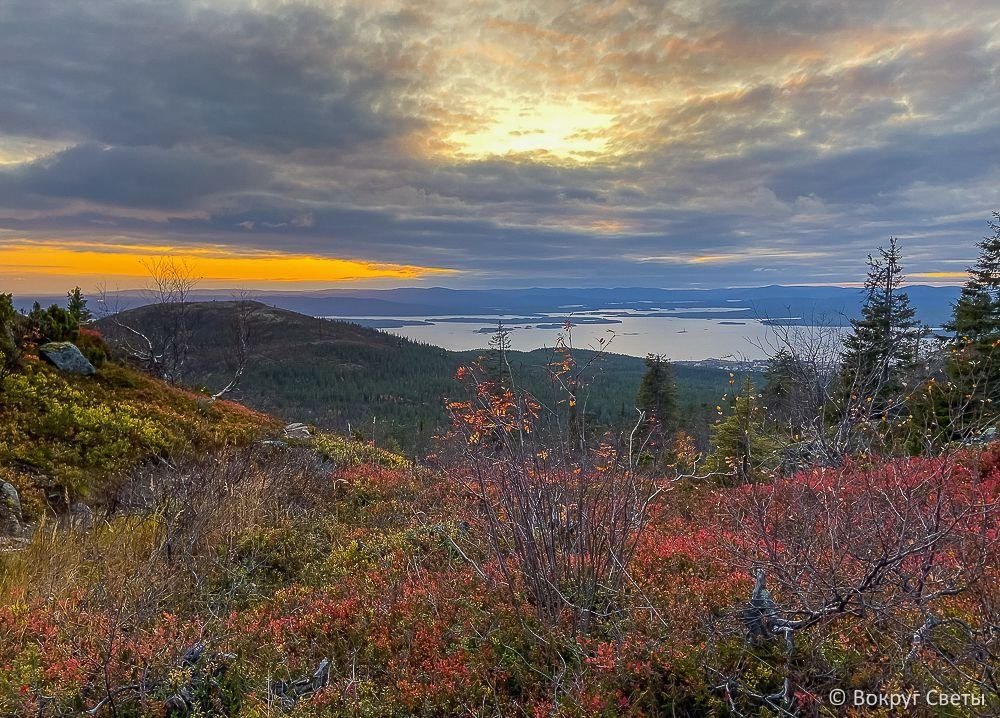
(66, 437)
(341, 375)
(265, 580)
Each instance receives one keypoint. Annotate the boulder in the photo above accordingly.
(275, 444)
(10, 510)
(65, 356)
(297, 431)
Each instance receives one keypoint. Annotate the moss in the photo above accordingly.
(75, 434)
(350, 452)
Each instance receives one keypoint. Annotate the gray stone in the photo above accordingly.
(81, 515)
(10, 510)
(297, 431)
(66, 357)
(274, 443)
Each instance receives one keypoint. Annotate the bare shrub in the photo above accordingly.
(208, 507)
(561, 512)
(162, 348)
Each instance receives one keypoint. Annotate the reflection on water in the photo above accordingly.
(628, 333)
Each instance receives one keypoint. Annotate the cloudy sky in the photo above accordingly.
(494, 143)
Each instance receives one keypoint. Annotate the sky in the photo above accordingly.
(465, 143)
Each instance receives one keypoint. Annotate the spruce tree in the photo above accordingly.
(884, 343)
(76, 305)
(54, 324)
(780, 392)
(743, 447)
(974, 364)
(497, 366)
(658, 393)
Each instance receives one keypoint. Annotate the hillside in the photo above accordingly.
(175, 555)
(341, 375)
(226, 573)
(68, 438)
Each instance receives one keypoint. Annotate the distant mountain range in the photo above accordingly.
(800, 304)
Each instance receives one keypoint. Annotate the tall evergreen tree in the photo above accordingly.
(658, 393)
(76, 305)
(974, 364)
(743, 446)
(497, 365)
(779, 393)
(885, 341)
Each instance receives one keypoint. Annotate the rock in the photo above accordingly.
(760, 610)
(986, 436)
(274, 444)
(66, 357)
(297, 431)
(81, 515)
(10, 510)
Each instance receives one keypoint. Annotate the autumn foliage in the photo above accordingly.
(538, 568)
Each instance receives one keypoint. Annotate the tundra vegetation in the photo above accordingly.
(180, 554)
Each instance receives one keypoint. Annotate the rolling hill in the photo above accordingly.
(344, 376)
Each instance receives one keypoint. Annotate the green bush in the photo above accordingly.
(54, 324)
(92, 345)
(10, 335)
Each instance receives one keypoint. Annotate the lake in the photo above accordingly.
(632, 332)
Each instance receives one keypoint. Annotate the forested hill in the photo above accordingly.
(336, 374)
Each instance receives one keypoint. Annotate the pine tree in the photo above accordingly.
(658, 393)
(974, 366)
(884, 343)
(76, 305)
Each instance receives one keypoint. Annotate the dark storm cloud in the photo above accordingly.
(870, 174)
(744, 142)
(132, 177)
(161, 73)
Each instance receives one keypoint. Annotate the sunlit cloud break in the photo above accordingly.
(512, 143)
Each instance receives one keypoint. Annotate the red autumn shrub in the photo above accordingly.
(897, 557)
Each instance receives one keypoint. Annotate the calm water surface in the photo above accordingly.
(677, 338)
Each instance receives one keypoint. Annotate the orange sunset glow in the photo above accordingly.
(50, 267)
